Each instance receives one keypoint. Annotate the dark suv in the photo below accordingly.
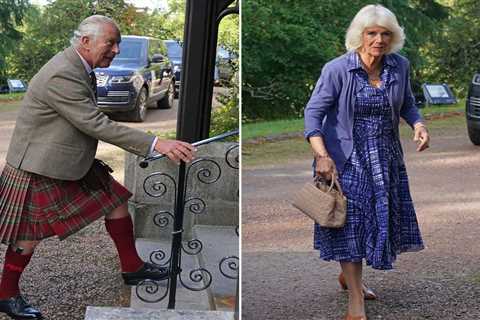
(473, 110)
(174, 53)
(139, 76)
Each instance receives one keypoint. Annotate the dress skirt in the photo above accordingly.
(381, 220)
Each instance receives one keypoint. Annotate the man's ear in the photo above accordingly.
(85, 42)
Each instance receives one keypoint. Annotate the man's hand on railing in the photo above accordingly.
(175, 150)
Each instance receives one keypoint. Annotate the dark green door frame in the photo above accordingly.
(202, 18)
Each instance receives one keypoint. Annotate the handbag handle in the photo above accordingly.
(333, 182)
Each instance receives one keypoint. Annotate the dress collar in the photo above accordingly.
(354, 63)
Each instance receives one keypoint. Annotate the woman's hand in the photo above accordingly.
(421, 137)
(175, 150)
(325, 167)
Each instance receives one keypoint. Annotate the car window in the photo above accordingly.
(131, 51)
(174, 49)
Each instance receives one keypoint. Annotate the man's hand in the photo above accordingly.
(421, 137)
(175, 150)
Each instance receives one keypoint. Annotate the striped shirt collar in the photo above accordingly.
(84, 62)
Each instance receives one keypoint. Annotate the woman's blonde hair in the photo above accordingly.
(370, 16)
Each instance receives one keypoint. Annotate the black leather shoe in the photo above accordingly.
(18, 308)
(149, 271)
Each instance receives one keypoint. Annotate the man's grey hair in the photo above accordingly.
(91, 27)
(370, 16)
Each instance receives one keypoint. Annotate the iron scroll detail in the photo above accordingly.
(157, 185)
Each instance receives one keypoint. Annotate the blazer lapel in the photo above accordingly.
(75, 60)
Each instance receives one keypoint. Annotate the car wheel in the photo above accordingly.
(167, 101)
(140, 112)
(474, 135)
(176, 92)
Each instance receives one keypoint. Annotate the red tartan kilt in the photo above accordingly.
(51, 206)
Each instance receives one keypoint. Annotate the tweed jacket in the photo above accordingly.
(59, 125)
(330, 111)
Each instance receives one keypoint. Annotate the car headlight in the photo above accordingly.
(121, 79)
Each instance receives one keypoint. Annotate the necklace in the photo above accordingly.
(373, 76)
(373, 73)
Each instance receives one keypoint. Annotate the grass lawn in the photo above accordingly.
(270, 153)
(272, 128)
(10, 101)
(11, 97)
(6, 105)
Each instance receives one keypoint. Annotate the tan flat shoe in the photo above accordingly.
(349, 317)
(368, 293)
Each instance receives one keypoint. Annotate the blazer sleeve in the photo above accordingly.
(70, 97)
(323, 98)
(409, 111)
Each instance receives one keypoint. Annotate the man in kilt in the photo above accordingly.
(51, 184)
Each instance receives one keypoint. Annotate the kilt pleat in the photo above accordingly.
(7, 196)
(35, 207)
(13, 192)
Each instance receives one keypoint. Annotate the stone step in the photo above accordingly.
(219, 243)
(108, 313)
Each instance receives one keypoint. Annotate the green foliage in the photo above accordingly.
(11, 16)
(45, 34)
(226, 117)
(47, 30)
(228, 33)
(285, 44)
(284, 47)
(454, 55)
(175, 19)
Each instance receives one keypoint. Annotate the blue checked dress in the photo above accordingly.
(381, 220)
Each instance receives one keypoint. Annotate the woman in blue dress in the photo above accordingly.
(352, 124)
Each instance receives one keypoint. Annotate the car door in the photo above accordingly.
(154, 69)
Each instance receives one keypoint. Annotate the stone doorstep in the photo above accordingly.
(218, 242)
(108, 313)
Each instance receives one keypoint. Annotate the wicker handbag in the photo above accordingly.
(324, 204)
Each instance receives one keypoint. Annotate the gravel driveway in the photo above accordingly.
(283, 278)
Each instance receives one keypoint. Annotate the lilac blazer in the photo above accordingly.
(329, 112)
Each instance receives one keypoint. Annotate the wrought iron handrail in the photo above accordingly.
(144, 164)
(182, 203)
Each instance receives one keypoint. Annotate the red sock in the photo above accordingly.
(13, 267)
(121, 231)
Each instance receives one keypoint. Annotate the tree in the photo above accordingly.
(11, 16)
(454, 54)
(285, 44)
(48, 31)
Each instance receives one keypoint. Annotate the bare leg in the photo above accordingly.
(118, 213)
(25, 247)
(352, 272)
